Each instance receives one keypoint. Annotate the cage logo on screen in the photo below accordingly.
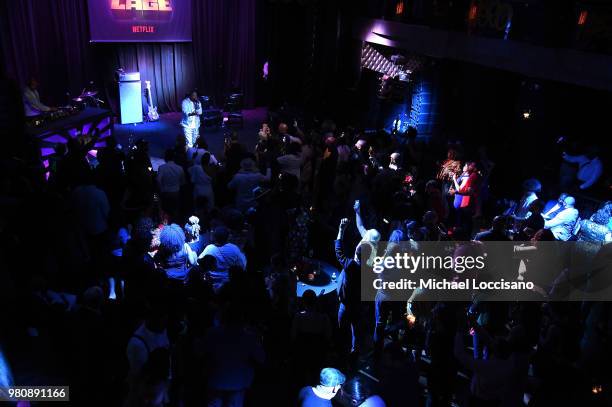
(141, 5)
(141, 10)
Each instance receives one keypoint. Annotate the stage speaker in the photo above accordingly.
(130, 97)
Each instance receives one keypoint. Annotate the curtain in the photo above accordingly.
(49, 39)
(168, 66)
(224, 47)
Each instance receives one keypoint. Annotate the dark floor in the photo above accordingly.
(162, 133)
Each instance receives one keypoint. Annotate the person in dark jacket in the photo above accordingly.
(349, 289)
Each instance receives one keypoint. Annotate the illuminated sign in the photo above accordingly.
(141, 5)
(140, 20)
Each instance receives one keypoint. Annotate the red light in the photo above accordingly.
(399, 8)
(473, 12)
(583, 17)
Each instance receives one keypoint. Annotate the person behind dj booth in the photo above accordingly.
(31, 100)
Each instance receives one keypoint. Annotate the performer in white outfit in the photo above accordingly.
(192, 110)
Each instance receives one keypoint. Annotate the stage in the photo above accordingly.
(162, 134)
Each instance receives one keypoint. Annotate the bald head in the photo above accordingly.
(569, 201)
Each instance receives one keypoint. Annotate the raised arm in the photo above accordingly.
(342, 259)
(593, 177)
(362, 230)
(574, 158)
(455, 183)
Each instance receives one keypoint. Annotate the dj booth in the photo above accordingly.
(51, 130)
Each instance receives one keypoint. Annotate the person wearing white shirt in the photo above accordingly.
(31, 100)
(170, 177)
(590, 168)
(394, 161)
(192, 110)
(556, 208)
(226, 254)
(562, 224)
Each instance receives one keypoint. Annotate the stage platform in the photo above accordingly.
(162, 134)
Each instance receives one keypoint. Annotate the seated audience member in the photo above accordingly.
(562, 224)
(175, 256)
(554, 207)
(226, 254)
(231, 353)
(590, 168)
(598, 227)
(245, 181)
(497, 233)
(330, 382)
(356, 392)
(208, 268)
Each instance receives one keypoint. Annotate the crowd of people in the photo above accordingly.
(177, 286)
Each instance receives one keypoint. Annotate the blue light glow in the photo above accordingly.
(6, 378)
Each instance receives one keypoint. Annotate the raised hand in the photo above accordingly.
(343, 224)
